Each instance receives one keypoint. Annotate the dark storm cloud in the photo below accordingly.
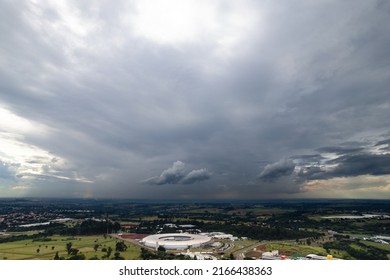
(347, 165)
(308, 157)
(118, 106)
(312, 173)
(278, 169)
(383, 142)
(339, 150)
(363, 164)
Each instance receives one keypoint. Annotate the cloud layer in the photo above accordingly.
(260, 99)
(278, 169)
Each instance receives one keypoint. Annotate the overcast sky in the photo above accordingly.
(195, 99)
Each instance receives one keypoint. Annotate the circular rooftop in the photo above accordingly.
(177, 241)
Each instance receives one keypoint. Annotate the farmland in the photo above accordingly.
(92, 229)
(31, 249)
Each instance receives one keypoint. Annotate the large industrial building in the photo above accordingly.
(175, 241)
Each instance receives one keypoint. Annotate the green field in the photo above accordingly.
(377, 245)
(290, 248)
(27, 249)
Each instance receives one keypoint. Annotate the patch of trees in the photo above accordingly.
(87, 227)
(377, 227)
(117, 256)
(73, 254)
(341, 236)
(55, 228)
(57, 256)
(39, 227)
(120, 246)
(3, 226)
(274, 230)
(22, 237)
(360, 252)
(108, 252)
(261, 232)
(161, 254)
(42, 239)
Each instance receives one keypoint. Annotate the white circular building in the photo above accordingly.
(175, 241)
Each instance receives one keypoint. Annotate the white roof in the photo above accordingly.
(171, 240)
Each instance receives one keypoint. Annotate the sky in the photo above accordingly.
(195, 99)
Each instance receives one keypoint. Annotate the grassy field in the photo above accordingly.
(377, 245)
(286, 248)
(270, 210)
(210, 210)
(45, 250)
(149, 218)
